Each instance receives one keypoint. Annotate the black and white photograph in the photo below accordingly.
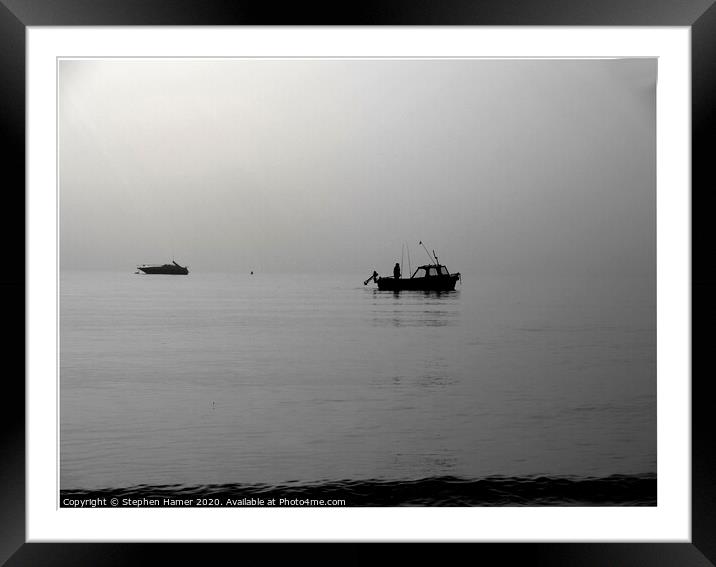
(357, 282)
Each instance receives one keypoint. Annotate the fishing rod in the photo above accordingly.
(402, 253)
(410, 269)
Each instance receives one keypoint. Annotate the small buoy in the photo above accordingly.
(252, 273)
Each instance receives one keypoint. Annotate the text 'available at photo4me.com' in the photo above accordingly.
(223, 502)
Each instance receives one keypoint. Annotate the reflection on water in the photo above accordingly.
(415, 308)
(214, 379)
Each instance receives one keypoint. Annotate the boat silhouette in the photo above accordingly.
(429, 277)
(172, 269)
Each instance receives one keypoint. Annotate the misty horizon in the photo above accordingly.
(530, 168)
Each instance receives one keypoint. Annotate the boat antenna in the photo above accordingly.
(410, 269)
(426, 251)
(436, 257)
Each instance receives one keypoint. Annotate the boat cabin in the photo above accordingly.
(430, 271)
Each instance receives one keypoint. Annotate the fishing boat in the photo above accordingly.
(429, 277)
(172, 269)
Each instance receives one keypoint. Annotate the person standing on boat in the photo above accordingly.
(396, 271)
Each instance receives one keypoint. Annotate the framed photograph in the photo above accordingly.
(406, 275)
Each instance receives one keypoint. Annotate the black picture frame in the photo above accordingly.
(17, 15)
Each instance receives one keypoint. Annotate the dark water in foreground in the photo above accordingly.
(616, 490)
(504, 392)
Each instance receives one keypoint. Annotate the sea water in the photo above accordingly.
(276, 380)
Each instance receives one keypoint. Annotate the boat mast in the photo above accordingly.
(428, 253)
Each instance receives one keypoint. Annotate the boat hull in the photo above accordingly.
(434, 283)
(165, 270)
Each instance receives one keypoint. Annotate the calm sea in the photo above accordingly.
(503, 392)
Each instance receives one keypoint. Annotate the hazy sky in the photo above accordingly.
(503, 167)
